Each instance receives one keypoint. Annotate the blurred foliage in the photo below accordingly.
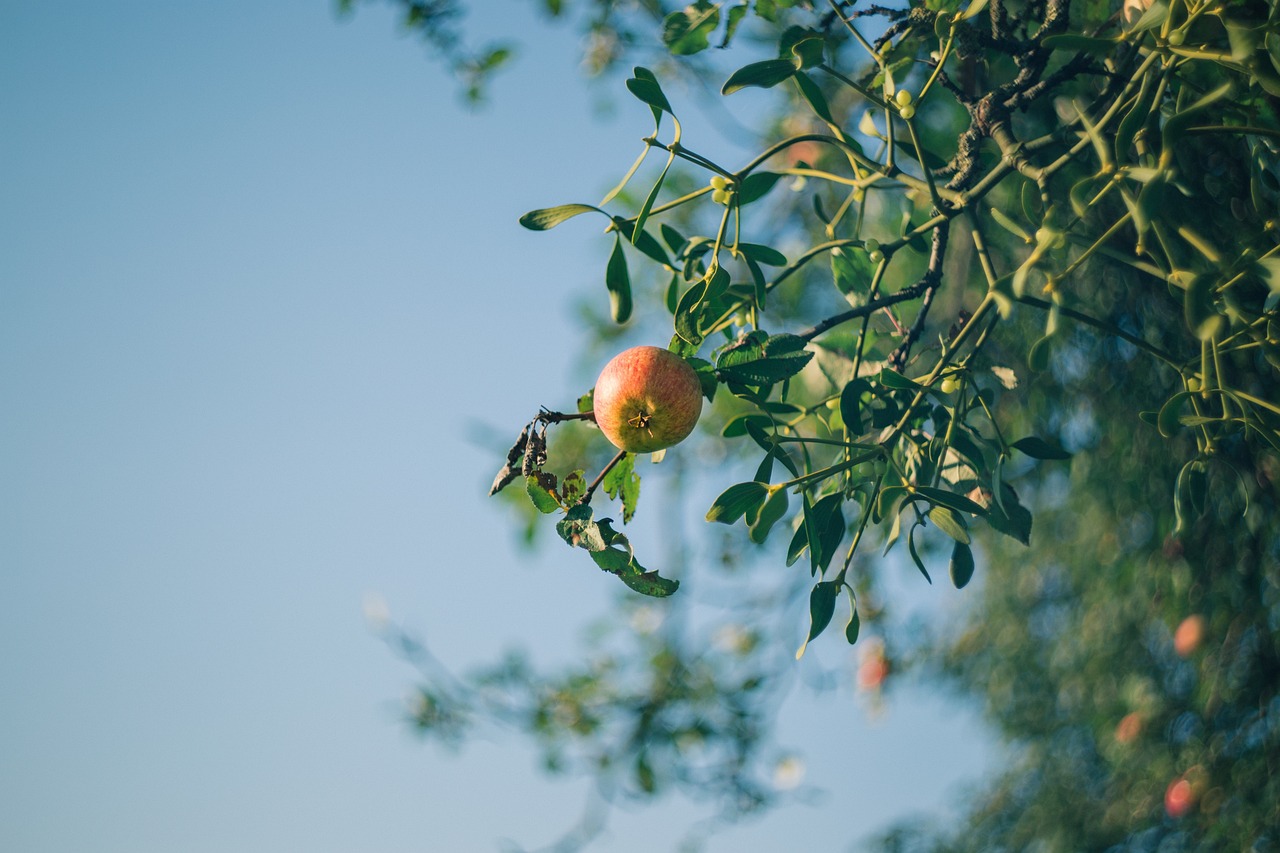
(1002, 286)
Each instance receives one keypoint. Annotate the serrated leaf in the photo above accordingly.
(623, 482)
(549, 217)
(736, 500)
(579, 530)
(540, 487)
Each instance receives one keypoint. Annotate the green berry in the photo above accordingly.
(950, 385)
(720, 196)
(903, 97)
(719, 182)
(908, 112)
(871, 245)
(1177, 37)
(876, 257)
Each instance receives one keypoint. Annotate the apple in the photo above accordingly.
(647, 399)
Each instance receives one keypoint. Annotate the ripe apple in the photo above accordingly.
(647, 399)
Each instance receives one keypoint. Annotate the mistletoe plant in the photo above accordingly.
(1143, 140)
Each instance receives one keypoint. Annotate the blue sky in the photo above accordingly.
(251, 259)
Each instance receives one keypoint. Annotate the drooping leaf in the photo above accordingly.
(822, 605)
(961, 565)
(770, 513)
(618, 282)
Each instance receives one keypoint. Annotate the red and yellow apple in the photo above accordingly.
(647, 399)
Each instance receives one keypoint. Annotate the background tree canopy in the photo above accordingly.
(999, 292)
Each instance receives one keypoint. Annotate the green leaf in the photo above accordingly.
(623, 482)
(772, 511)
(915, 557)
(736, 500)
(756, 186)
(809, 52)
(822, 605)
(579, 530)
(1168, 419)
(950, 523)
(892, 379)
(961, 566)
(706, 376)
(950, 500)
(573, 487)
(733, 19)
(1010, 517)
(540, 487)
(826, 528)
(550, 217)
(1202, 318)
(851, 405)
(766, 255)
(618, 281)
(1039, 448)
(811, 93)
(854, 623)
(642, 240)
(643, 215)
(689, 31)
(764, 75)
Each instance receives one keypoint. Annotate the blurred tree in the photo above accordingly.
(948, 192)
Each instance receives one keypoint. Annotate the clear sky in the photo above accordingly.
(260, 276)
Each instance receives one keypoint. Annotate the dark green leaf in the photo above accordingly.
(618, 281)
(1010, 517)
(813, 94)
(851, 405)
(772, 511)
(736, 500)
(756, 186)
(951, 500)
(763, 74)
(854, 623)
(766, 255)
(915, 557)
(961, 566)
(1039, 448)
(822, 605)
